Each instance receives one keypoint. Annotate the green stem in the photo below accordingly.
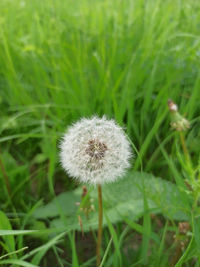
(5, 176)
(99, 239)
(186, 153)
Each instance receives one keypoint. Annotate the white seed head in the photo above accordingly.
(95, 150)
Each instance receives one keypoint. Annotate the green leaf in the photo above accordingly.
(196, 228)
(183, 258)
(39, 252)
(14, 252)
(5, 224)
(122, 199)
(115, 239)
(17, 232)
(146, 228)
(17, 263)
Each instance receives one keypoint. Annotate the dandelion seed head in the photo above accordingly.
(95, 151)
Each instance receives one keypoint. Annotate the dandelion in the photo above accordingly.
(178, 122)
(95, 151)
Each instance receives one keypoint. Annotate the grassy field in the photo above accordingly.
(63, 60)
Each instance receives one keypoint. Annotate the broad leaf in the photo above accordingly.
(122, 199)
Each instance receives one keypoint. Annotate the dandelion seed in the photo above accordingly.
(95, 150)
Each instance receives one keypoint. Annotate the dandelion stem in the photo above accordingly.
(186, 153)
(100, 209)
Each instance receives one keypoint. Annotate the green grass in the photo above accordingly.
(62, 60)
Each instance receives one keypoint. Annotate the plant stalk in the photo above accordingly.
(5, 176)
(186, 153)
(99, 238)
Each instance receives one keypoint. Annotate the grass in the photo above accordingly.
(62, 60)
